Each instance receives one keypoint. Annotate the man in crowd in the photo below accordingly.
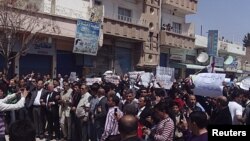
(127, 126)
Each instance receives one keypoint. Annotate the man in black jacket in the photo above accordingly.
(221, 116)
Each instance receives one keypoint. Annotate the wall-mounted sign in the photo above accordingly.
(212, 43)
(87, 37)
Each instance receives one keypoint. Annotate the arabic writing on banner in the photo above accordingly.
(209, 84)
(115, 79)
(90, 81)
(87, 37)
(165, 76)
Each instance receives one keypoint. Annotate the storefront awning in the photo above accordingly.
(199, 67)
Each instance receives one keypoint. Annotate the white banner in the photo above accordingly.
(165, 76)
(72, 77)
(90, 81)
(209, 84)
(115, 79)
(245, 83)
(146, 78)
(133, 75)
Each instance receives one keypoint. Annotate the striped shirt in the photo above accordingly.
(111, 124)
(164, 130)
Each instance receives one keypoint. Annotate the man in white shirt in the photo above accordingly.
(236, 109)
(38, 110)
(81, 111)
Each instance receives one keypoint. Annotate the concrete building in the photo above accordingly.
(177, 40)
(226, 50)
(135, 35)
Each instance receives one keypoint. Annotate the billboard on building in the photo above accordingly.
(212, 43)
(87, 37)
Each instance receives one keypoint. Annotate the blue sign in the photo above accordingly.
(87, 37)
(212, 44)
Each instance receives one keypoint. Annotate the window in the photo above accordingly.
(190, 59)
(177, 27)
(124, 14)
(98, 2)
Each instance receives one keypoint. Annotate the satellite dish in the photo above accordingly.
(229, 60)
(202, 58)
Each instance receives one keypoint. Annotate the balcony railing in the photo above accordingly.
(127, 19)
(187, 29)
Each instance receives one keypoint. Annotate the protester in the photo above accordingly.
(4, 106)
(111, 132)
(127, 126)
(221, 115)
(196, 127)
(22, 130)
(164, 130)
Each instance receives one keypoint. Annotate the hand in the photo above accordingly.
(183, 124)
(43, 103)
(57, 97)
(50, 104)
(73, 108)
(146, 131)
(24, 93)
(118, 116)
(149, 119)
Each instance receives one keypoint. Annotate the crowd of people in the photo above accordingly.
(60, 108)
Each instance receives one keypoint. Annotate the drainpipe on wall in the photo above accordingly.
(159, 34)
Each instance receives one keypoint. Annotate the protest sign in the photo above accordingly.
(133, 75)
(245, 83)
(72, 77)
(209, 84)
(146, 78)
(115, 79)
(90, 81)
(165, 76)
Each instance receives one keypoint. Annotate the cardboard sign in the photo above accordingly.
(209, 84)
(90, 81)
(165, 76)
(115, 79)
(72, 77)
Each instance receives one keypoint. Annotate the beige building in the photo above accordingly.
(135, 35)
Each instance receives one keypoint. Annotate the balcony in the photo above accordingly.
(178, 38)
(127, 27)
(230, 48)
(184, 6)
(63, 11)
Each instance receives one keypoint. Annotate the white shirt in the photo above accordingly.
(235, 109)
(8, 107)
(140, 110)
(37, 99)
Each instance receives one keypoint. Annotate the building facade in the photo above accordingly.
(230, 56)
(135, 35)
(177, 40)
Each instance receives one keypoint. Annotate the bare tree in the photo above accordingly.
(20, 24)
